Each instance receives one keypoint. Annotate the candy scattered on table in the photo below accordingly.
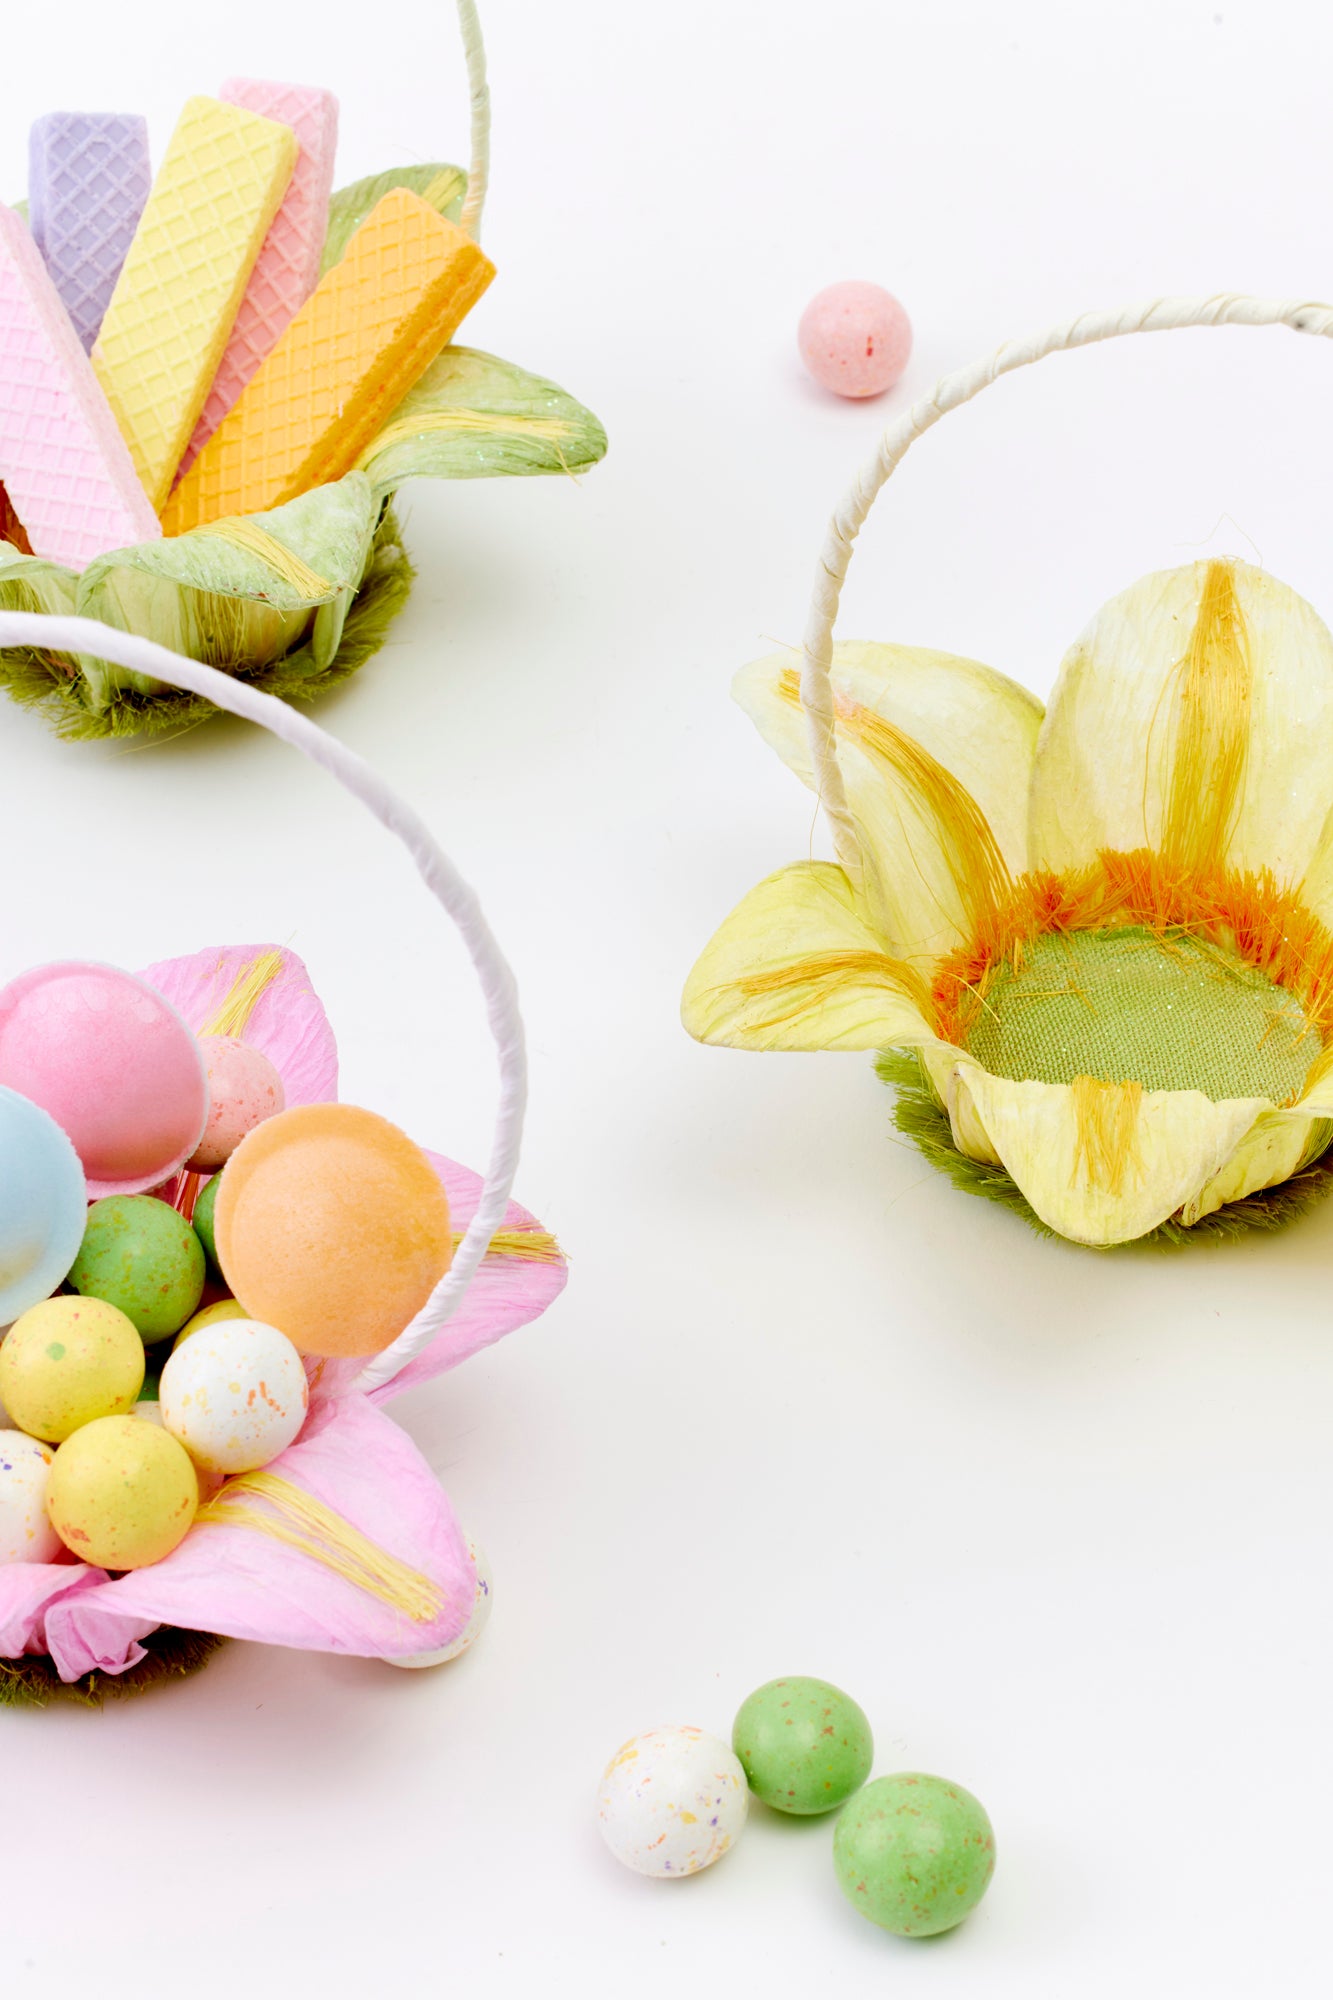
(139, 1254)
(26, 1534)
(43, 1204)
(914, 1854)
(123, 1493)
(66, 1362)
(804, 1745)
(855, 339)
(481, 1611)
(671, 1802)
(375, 323)
(235, 1396)
(114, 1065)
(331, 1224)
(287, 268)
(243, 1090)
(217, 191)
(65, 466)
(88, 179)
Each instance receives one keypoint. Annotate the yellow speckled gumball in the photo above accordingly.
(123, 1493)
(66, 1362)
(224, 1309)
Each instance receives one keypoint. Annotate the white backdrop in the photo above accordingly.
(1059, 1521)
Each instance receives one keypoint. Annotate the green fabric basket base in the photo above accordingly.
(922, 1121)
(36, 680)
(169, 1655)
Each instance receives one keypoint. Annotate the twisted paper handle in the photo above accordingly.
(451, 892)
(479, 167)
(950, 393)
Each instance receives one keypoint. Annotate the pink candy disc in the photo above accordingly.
(244, 1089)
(115, 1066)
(855, 339)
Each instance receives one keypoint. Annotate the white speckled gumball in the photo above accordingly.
(672, 1801)
(235, 1395)
(481, 1611)
(26, 1535)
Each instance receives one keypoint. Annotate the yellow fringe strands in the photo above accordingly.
(270, 1505)
(1106, 1116)
(232, 1017)
(529, 1246)
(1212, 739)
(241, 533)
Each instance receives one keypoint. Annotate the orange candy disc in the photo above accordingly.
(332, 1226)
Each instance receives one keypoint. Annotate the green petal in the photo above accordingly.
(31, 583)
(441, 185)
(239, 593)
(472, 416)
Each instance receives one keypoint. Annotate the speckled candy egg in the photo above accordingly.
(26, 1535)
(140, 1255)
(855, 339)
(914, 1853)
(43, 1205)
(481, 1611)
(804, 1745)
(671, 1802)
(66, 1362)
(235, 1395)
(333, 1225)
(113, 1063)
(243, 1090)
(210, 1316)
(123, 1493)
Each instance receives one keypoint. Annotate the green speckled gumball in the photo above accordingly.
(142, 1256)
(913, 1853)
(805, 1745)
(203, 1222)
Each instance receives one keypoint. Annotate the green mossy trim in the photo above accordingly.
(43, 681)
(921, 1120)
(169, 1654)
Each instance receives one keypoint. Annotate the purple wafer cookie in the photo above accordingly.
(88, 179)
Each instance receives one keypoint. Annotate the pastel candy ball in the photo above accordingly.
(26, 1535)
(855, 339)
(203, 1220)
(66, 1362)
(914, 1853)
(804, 1745)
(331, 1224)
(672, 1802)
(223, 1309)
(235, 1395)
(140, 1255)
(123, 1493)
(481, 1611)
(243, 1090)
(113, 1063)
(43, 1205)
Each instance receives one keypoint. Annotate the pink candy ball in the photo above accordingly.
(855, 339)
(244, 1089)
(115, 1066)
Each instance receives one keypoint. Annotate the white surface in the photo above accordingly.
(1059, 1522)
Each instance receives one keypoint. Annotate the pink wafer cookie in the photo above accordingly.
(287, 269)
(64, 464)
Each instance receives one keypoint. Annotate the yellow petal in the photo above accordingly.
(1194, 716)
(936, 754)
(1276, 1146)
(1101, 1163)
(797, 966)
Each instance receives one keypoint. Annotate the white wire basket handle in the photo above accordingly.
(446, 885)
(950, 393)
(479, 167)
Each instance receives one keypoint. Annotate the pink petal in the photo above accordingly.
(288, 1022)
(506, 1293)
(238, 1581)
(28, 1591)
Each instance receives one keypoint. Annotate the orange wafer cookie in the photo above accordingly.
(374, 324)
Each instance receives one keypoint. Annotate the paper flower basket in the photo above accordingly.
(296, 596)
(1094, 943)
(345, 1541)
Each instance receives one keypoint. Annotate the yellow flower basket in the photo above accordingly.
(1095, 941)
